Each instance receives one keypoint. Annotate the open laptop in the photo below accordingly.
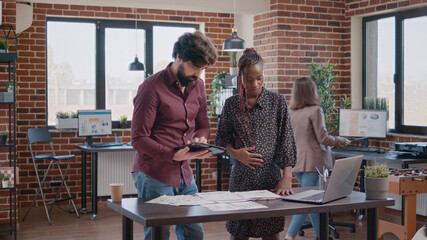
(341, 183)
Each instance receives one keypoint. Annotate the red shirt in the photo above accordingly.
(163, 118)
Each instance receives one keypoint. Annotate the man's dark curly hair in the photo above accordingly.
(197, 48)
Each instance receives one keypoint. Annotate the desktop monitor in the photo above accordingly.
(94, 123)
(363, 123)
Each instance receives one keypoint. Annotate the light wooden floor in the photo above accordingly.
(108, 226)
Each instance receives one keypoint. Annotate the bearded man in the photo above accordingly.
(170, 109)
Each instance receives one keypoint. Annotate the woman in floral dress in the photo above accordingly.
(255, 128)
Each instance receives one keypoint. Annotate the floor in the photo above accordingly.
(108, 226)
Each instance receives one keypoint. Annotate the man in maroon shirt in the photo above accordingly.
(170, 110)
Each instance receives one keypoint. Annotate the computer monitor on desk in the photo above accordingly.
(94, 123)
(363, 124)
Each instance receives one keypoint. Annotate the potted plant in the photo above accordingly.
(323, 76)
(123, 121)
(3, 45)
(7, 96)
(215, 106)
(65, 120)
(3, 137)
(233, 62)
(4, 180)
(376, 181)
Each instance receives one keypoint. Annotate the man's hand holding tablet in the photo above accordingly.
(185, 153)
(196, 149)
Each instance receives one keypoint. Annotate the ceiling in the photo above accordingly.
(250, 7)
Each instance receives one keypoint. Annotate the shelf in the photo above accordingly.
(7, 228)
(8, 188)
(8, 57)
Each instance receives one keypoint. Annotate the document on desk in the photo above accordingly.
(180, 200)
(221, 196)
(258, 195)
(234, 206)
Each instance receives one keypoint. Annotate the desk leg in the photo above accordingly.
(127, 231)
(94, 185)
(219, 172)
(362, 186)
(84, 162)
(402, 204)
(324, 226)
(372, 224)
(157, 233)
(199, 174)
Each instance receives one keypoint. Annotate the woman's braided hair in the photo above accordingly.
(250, 57)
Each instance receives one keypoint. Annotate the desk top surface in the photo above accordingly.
(88, 148)
(152, 215)
(379, 157)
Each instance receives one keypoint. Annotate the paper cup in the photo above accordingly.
(116, 190)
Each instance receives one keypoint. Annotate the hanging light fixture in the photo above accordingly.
(234, 43)
(136, 65)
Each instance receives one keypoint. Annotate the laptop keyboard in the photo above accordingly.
(305, 194)
(318, 196)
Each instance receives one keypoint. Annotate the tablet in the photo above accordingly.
(197, 146)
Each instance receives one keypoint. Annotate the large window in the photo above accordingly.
(88, 62)
(395, 67)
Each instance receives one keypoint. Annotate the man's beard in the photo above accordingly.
(185, 81)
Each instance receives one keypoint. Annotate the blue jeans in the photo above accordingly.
(149, 187)
(306, 179)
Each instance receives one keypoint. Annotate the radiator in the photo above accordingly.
(421, 198)
(115, 167)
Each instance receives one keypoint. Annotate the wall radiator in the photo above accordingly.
(115, 167)
(421, 198)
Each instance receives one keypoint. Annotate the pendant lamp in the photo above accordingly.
(234, 43)
(136, 65)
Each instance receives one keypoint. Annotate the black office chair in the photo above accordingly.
(38, 135)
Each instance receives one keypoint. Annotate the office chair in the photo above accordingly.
(38, 135)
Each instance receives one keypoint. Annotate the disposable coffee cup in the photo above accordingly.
(323, 182)
(116, 190)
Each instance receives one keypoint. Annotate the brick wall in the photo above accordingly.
(31, 95)
(289, 36)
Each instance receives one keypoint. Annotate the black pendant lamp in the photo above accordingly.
(136, 65)
(234, 43)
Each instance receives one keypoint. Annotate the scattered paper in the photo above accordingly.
(258, 195)
(221, 196)
(220, 200)
(234, 206)
(180, 200)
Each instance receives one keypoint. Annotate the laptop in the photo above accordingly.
(341, 183)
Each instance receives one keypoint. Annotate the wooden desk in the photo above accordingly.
(156, 215)
(94, 154)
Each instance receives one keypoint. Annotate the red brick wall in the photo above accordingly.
(31, 78)
(294, 34)
(289, 36)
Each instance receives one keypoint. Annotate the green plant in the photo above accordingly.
(62, 114)
(3, 43)
(123, 119)
(376, 103)
(4, 177)
(233, 60)
(323, 76)
(376, 171)
(216, 87)
(74, 115)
